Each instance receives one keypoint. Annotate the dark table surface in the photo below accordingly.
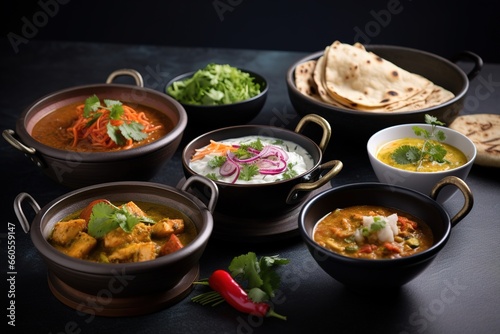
(458, 293)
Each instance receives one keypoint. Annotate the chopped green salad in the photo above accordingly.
(215, 85)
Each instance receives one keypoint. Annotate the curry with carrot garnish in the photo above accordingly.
(95, 126)
(372, 232)
(129, 232)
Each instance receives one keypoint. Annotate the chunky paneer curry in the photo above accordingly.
(372, 232)
(103, 232)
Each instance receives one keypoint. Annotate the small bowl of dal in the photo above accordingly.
(389, 148)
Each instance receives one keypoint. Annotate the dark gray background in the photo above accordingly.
(441, 27)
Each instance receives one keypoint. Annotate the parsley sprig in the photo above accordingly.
(431, 150)
(126, 130)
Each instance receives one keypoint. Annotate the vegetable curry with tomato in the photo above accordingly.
(130, 232)
(372, 232)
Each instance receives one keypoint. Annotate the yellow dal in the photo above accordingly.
(456, 157)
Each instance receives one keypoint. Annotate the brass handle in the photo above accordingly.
(127, 71)
(464, 188)
(323, 123)
(214, 190)
(335, 167)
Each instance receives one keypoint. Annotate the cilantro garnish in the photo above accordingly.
(106, 217)
(248, 171)
(289, 173)
(118, 133)
(216, 161)
(431, 149)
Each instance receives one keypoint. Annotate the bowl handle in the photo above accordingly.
(214, 190)
(127, 71)
(478, 62)
(335, 167)
(18, 201)
(464, 188)
(30, 152)
(323, 123)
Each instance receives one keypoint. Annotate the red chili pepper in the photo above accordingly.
(222, 282)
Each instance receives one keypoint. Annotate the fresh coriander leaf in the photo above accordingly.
(95, 117)
(406, 154)
(289, 173)
(92, 104)
(212, 176)
(116, 111)
(101, 220)
(217, 161)
(437, 153)
(132, 130)
(247, 267)
(110, 103)
(258, 295)
(115, 134)
(257, 144)
(440, 135)
(248, 171)
(242, 152)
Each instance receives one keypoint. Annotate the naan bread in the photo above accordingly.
(353, 75)
(484, 131)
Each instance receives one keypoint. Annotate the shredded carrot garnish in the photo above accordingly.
(214, 147)
(97, 132)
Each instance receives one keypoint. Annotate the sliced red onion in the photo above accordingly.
(280, 168)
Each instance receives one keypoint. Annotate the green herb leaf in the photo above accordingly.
(215, 85)
(212, 176)
(248, 171)
(289, 172)
(115, 134)
(116, 111)
(430, 151)
(106, 217)
(132, 130)
(247, 267)
(217, 161)
(378, 224)
(92, 104)
(406, 154)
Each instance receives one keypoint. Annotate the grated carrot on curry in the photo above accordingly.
(97, 132)
(214, 147)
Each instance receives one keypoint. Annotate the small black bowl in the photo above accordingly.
(387, 274)
(216, 116)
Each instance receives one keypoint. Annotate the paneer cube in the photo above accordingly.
(65, 231)
(81, 246)
(136, 252)
(166, 227)
(118, 237)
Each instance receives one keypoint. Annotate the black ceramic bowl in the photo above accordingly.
(265, 200)
(122, 288)
(216, 116)
(373, 275)
(78, 169)
(435, 68)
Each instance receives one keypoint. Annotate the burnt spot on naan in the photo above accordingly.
(395, 74)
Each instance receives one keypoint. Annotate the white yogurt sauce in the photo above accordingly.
(297, 156)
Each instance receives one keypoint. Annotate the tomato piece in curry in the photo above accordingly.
(372, 232)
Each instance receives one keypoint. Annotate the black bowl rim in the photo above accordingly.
(235, 104)
(291, 84)
(53, 255)
(250, 126)
(414, 258)
(96, 157)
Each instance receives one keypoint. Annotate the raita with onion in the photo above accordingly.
(251, 160)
